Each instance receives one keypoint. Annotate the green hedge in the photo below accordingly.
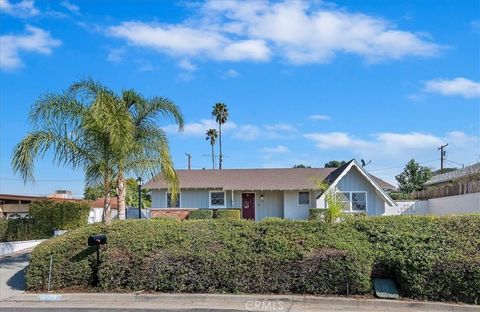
(58, 215)
(316, 214)
(232, 256)
(200, 214)
(20, 229)
(231, 214)
(434, 258)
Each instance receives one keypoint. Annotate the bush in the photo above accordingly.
(207, 256)
(231, 214)
(316, 214)
(434, 258)
(273, 219)
(200, 214)
(58, 215)
(19, 229)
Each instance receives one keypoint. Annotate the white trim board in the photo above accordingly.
(378, 189)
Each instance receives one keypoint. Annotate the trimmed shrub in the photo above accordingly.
(20, 229)
(316, 214)
(58, 215)
(209, 256)
(200, 214)
(231, 214)
(433, 258)
(272, 219)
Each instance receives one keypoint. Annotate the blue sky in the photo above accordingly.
(384, 81)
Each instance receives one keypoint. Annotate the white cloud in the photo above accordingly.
(23, 9)
(35, 40)
(231, 73)
(459, 86)
(115, 55)
(70, 6)
(319, 117)
(279, 149)
(199, 128)
(293, 30)
(336, 140)
(187, 65)
(248, 133)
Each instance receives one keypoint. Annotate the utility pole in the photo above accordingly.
(442, 156)
(189, 156)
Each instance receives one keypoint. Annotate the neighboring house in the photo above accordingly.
(458, 182)
(285, 193)
(16, 206)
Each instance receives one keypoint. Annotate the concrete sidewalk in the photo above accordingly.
(187, 302)
(12, 273)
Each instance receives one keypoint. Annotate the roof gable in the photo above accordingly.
(338, 174)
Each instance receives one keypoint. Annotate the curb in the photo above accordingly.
(240, 300)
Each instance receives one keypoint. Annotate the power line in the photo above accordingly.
(44, 180)
(396, 167)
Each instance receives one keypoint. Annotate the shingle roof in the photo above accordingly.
(281, 179)
(453, 175)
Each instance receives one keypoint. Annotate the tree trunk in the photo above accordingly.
(213, 158)
(220, 157)
(122, 194)
(107, 212)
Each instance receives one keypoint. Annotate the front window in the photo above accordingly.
(304, 198)
(217, 199)
(353, 201)
(171, 203)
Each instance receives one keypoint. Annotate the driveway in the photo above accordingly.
(12, 273)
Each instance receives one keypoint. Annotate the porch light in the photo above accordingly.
(261, 197)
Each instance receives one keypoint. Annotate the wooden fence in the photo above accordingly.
(449, 190)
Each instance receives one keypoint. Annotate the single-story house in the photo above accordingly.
(285, 193)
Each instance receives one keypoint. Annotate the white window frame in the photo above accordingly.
(179, 201)
(350, 200)
(210, 199)
(309, 199)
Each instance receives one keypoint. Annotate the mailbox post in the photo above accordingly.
(96, 241)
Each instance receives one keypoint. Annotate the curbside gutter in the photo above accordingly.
(7, 248)
(277, 303)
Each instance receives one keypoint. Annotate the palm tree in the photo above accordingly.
(110, 137)
(149, 152)
(212, 136)
(220, 112)
(85, 128)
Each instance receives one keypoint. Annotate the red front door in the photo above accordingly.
(248, 206)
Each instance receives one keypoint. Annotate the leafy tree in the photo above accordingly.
(92, 192)
(220, 112)
(131, 199)
(212, 135)
(85, 128)
(301, 166)
(335, 164)
(413, 177)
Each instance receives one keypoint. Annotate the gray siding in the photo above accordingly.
(355, 181)
(271, 206)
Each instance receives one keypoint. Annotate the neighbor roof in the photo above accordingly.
(454, 175)
(281, 179)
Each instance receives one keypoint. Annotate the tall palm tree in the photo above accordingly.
(85, 128)
(149, 151)
(220, 112)
(212, 136)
